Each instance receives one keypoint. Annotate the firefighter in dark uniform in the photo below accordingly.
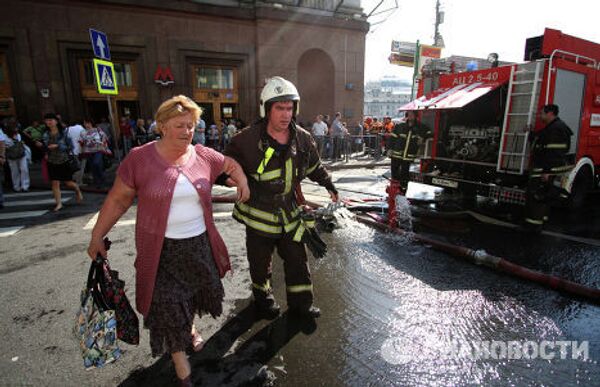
(276, 155)
(405, 141)
(550, 160)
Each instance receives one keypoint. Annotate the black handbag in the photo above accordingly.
(107, 161)
(73, 162)
(15, 152)
(113, 291)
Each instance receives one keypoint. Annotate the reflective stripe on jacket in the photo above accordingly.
(273, 175)
(551, 147)
(404, 142)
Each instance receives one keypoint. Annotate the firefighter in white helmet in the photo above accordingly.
(276, 155)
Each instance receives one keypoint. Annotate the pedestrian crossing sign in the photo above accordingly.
(105, 77)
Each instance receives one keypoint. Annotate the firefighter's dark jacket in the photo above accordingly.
(550, 148)
(404, 142)
(272, 175)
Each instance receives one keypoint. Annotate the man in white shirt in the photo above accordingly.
(230, 130)
(319, 130)
(74, 133)
(338, 132)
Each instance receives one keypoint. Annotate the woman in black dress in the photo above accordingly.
(59, 146)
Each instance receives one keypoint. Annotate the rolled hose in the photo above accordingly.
(480, 257)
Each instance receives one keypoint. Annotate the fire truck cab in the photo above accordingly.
(483, 120)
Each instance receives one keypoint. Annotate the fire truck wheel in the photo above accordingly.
(581, 187)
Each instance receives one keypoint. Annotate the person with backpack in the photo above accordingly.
(17, 160)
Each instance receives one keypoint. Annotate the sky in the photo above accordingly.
(474, 28)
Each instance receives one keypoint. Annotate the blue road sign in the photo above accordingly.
(100, 44)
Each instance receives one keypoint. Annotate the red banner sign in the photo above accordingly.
(431, 51)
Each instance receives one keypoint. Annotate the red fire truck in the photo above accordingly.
(483, 120)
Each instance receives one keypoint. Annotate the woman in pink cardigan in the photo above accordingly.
(180, 254)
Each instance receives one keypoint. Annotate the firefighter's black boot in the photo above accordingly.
(267, 307)
(268, 312)
(312, 312)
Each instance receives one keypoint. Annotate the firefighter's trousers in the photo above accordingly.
(537, 204)
(401, 171)
(295, 263)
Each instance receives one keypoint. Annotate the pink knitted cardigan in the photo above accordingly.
(154, 181)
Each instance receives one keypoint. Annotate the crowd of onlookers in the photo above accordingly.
(24, 146)
(90, 146)
(85, 146)
(66, 153)
(217, 136)
(336, 139)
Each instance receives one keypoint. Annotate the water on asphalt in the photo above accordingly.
(398, 313)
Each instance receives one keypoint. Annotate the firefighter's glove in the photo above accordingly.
(307, 233)
(317, 246)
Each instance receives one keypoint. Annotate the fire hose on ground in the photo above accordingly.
(477, 257)
(480, 257)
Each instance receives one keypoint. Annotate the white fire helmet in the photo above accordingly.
(278, 89)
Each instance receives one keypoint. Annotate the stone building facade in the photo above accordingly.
(217, 52)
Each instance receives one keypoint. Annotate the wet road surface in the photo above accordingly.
(392, 309)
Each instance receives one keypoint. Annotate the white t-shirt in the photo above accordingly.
(319, 128)
(2, 136)
(229, 131)
(186, 215)
(74, 133)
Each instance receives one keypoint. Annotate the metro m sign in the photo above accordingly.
(163, 77)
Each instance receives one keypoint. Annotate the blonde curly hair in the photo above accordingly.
(175, 107)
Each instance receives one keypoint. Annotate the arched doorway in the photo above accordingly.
(316, 84)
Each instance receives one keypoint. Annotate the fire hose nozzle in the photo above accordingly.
(330, 226)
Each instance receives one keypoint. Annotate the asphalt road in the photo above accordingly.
(381, 297)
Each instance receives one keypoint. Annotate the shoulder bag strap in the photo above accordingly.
(95, 276)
